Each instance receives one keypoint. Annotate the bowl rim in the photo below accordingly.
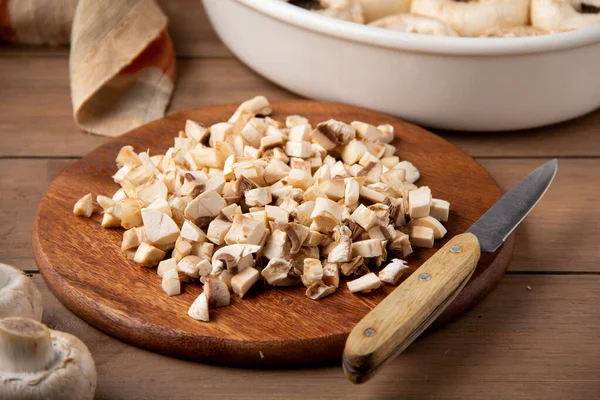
(385, 38)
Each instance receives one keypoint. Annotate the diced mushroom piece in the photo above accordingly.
(440, 209)
(182, 249)
(371, 195)
(215, 183)
(171, 283)
(341, 252)
(421, 236)
(160, 229)
(199, 308)
(366, 132)
(270, 142)
(299, 178)
(191, 232)
(329, 206)
(166, 265)
(275, 171)
(161, 205)
(353, 152)
(243, 281)
(372, 172)
(412, 173)
(367, 248)
(364, 284)
(133, 237)
(313, 238)
(401, 243)
(151, 191)
(294, 120)
(105, 202)
(332, 133)
(217, 230)
(394, 178)
(196, 131)
(245, 230)
(217, 293)
(190, 267)
(84, 207)
(318, 290)
(127, 156)
(391, 162)
(387, 133)
(236, 257)
(351, 192)
(148, 256)
(300, 133)
(331, 274)
(364, 217)
(206, 206)
(396, 209)
(254, 131)
(231, 211)
(296, 234)
(299, 149)
(393, 271)
(277, 245)
(277, 214)
(339, 170)
(419, 202)
(376, 149)
(109, 220)
(258, 197)
(280, 272)
(303, 213)
(313, 193)
(312, 272)
(334, 189)
(353, 267)
(438, 229)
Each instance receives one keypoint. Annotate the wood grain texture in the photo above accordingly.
(37, 121)
(538, 344)
(388, 329)
(85, 268)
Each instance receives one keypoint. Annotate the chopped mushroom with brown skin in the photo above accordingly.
(255, 198)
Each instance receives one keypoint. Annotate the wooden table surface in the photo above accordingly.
(535, 337)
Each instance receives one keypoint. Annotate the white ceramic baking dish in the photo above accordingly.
(473, 84)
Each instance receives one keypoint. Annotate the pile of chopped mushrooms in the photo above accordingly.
(256, 198)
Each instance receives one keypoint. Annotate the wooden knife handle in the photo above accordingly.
(405, 313)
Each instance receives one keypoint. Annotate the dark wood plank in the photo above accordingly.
(518, 344)
(314, 330)
(561, 233)
(37, 121)
(22, 185)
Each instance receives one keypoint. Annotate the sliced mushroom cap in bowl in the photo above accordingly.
(457, 83)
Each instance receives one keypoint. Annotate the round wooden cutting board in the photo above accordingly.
(84, 267)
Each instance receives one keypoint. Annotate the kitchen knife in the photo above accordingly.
(405, 313)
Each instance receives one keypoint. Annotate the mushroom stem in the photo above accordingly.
(25, 345)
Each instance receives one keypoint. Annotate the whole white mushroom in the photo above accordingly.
(413, 23)
(474, 17)
(19, 297)
(39, 363)
(564, 15)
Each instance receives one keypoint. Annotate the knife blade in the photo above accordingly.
(389, 328)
